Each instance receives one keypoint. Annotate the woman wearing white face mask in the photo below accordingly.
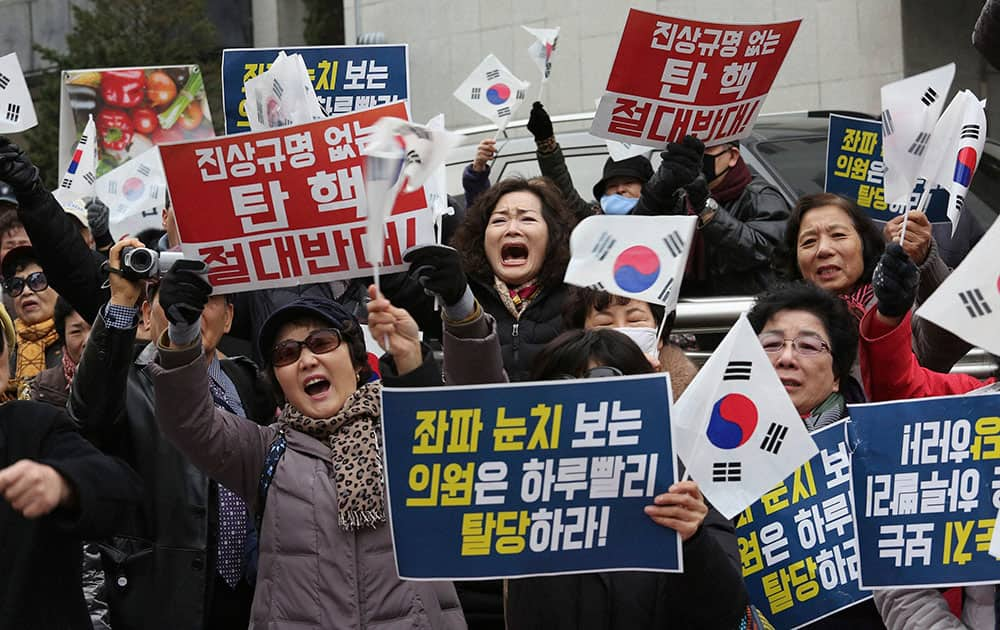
(639, 321)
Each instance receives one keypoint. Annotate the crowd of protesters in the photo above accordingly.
(153, 478)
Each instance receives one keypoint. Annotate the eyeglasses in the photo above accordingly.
(805, 346)
(36, 281)
(598, 371)
(318, 341)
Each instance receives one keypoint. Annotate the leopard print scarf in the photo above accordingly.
(354, 438)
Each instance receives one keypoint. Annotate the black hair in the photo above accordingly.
(872, 242)
(571, 352)
(840, 325)
(9, 220)
(580, 301)
(63, 310)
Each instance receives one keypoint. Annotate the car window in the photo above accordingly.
(800, 162)
(585, 169)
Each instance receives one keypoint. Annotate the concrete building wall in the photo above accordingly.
(844, 51)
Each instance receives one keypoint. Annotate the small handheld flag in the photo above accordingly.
(81, 173)
(735, 428)
(493, 92)
(541, 52)
(17, 111)
(635, 257)
(135, 193)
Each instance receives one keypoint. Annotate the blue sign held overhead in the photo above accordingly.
(926, 475)
(346, 78)
(797, 544)
(527, 479)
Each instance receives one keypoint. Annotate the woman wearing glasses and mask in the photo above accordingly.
(314, 477)
(38, 346)
(812, 340)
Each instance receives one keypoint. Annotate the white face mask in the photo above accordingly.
(645, 338)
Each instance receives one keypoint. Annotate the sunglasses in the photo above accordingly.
(805, 346)
(36, 281)
(598, 371)
(318, 341)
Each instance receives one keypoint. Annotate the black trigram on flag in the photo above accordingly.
(970, 132)
(919, 144)
(959, 203)
(13, 112)
(929, 97)
(493, 75)
(886, 122)
(277, 89)
(89, 177)
(66, 183)
(665, 291)
(775, 436)
(144, 170)
(520, 95)
(4, 81)
(503, 112)
(597, 286)
(603, 245)
(727, 471)
(974, 303)
(476, 92)
(112, 187)
(737, 371)
(674, 243)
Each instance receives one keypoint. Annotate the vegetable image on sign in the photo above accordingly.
(636, 269)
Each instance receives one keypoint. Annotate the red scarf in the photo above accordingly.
(729, 189)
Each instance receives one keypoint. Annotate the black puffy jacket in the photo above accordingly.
(160, 566)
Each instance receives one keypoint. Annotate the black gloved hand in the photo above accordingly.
(16, 169)
(895, 281)
(97, 218)
(437, 268)
(680, 167)
(697, 192)
(184, 291)
(539, 123)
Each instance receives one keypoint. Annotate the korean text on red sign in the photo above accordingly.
(286, 206)
(675, 77)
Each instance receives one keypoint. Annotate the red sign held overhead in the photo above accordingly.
(674, 77)
(286, 206)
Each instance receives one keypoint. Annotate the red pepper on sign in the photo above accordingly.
(114, 129)
(123, 88)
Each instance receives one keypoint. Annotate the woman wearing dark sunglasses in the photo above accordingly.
(38, 346)
(314, 477)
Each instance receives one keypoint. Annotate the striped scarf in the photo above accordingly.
(32, 340)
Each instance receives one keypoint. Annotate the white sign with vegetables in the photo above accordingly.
(134, 109)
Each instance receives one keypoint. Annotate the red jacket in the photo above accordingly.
(890, 370)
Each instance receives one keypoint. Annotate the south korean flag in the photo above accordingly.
(17, 111)
(135, 193)
(493, 92)
(735, 428)
(636, 257)
(968, 302)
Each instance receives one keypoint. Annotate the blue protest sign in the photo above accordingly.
(797, 543)
(854, 166)
(925, 479)
(346, 78)
(529, 478)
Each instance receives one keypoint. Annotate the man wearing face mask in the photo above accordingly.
(741, 218)
(620, 185)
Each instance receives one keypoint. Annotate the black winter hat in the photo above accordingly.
(636, 166)
(322, 309)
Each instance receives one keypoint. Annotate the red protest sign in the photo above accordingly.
(286, 206)
(674, 77)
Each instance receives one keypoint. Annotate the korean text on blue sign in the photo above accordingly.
(854, 166)
(926, 483)
(346, 78)
(797, 543)
(529, 478)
